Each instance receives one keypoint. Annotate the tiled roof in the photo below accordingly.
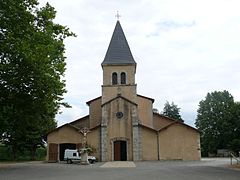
(118, 52)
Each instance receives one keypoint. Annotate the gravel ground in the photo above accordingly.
(207, 169)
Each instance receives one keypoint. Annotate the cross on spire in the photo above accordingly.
(117, 15)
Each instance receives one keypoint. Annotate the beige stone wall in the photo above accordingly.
(179, 142)
(128, 69)
(65, 134)
(160, 122)
(127, 91)
(149, 144)
(95, 113)
(145, 111)
(110, 91)
(93, 139)
(119, 129)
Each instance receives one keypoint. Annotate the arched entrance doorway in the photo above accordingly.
(120, 150)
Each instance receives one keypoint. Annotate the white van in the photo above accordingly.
(72, 155)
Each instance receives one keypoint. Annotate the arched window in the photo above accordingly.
(114, 78)
(123, 78)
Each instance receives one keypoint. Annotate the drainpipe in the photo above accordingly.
(158, 145)
(58, 153)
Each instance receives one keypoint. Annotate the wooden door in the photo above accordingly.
(53, 152)
(123, 150)
(117, 151)
(120, 151)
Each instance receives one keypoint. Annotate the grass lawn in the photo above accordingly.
(6, 155)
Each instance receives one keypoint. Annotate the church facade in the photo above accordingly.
(122, 123)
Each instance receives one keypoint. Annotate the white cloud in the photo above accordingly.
(184, 49)
(69, 114)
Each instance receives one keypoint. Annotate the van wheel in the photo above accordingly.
(90, 161)
(69, 161)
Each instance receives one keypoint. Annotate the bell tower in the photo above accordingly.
(119, 123)
(119, 68)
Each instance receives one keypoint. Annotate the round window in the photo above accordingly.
(119, 115)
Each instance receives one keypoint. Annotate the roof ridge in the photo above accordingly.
(119, 96)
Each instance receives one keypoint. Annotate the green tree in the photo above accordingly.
(32, 66)
(217, 120)
(234, 142)
(172, 111)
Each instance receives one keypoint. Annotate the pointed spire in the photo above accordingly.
(118, 52)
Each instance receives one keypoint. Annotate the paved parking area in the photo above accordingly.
(207, 169)
(118, 164)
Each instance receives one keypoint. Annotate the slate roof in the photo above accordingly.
(174, 121)
(118, 52)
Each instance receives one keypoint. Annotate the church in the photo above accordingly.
(123, 124)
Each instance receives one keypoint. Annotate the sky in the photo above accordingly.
(183, 49)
